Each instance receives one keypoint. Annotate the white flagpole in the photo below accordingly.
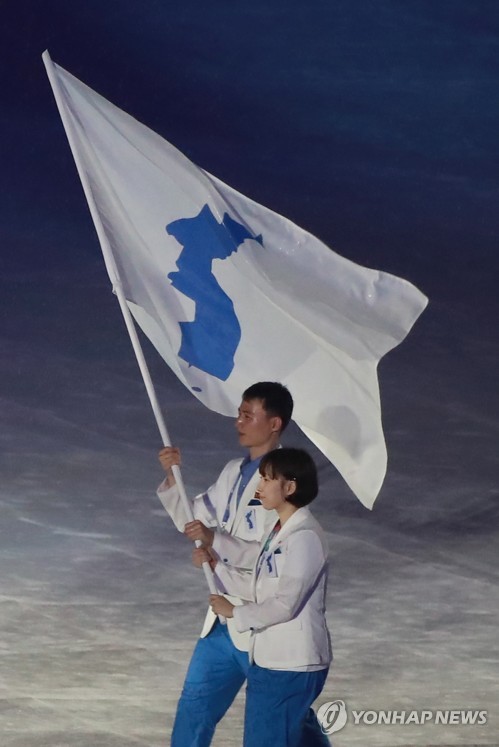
(118, 289)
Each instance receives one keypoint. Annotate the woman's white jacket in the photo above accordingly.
(285, 611)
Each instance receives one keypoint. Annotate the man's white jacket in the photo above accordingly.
(285, 611)
(237, 537)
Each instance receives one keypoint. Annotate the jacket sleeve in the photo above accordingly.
(304, 561)
(236, 551)
(233, 581)
(202, 507)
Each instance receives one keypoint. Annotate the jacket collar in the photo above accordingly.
(299, 516)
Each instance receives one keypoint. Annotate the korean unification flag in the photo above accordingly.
(231, 293)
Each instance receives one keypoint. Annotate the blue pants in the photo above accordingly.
(278, 712)
(215, 675)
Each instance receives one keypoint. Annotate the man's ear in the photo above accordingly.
(276, 424)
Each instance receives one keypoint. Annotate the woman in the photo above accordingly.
(290, 648)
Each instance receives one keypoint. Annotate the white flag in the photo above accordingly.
(231, 293)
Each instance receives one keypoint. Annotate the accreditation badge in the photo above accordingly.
(270, 566)
(250, 520)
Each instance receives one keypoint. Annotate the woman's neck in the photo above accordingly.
(286, 511)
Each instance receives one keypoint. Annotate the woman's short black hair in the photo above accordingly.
(293, 464)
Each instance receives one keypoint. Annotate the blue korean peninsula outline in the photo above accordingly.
(210, 341)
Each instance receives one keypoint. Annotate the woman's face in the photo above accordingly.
(273, 491)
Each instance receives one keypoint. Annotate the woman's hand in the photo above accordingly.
(221, 606)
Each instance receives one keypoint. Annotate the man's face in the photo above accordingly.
(254, 425)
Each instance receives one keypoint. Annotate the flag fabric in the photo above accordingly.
(230, 292)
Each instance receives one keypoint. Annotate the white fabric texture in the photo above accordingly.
(285, 610)
(239, 545)
(270, 301)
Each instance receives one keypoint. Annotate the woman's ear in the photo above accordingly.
(290, 487)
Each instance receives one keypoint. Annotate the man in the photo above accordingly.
(230, 521)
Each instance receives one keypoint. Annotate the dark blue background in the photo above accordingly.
(371, 123)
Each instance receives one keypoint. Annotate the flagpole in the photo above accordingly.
(120, 294)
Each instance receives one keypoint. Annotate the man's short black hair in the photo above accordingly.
(276, 399)
(293, 464)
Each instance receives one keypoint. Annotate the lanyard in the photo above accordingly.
(227, 508)
(246, 471)
(266, 546)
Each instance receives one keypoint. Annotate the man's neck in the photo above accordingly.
(259, 451)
